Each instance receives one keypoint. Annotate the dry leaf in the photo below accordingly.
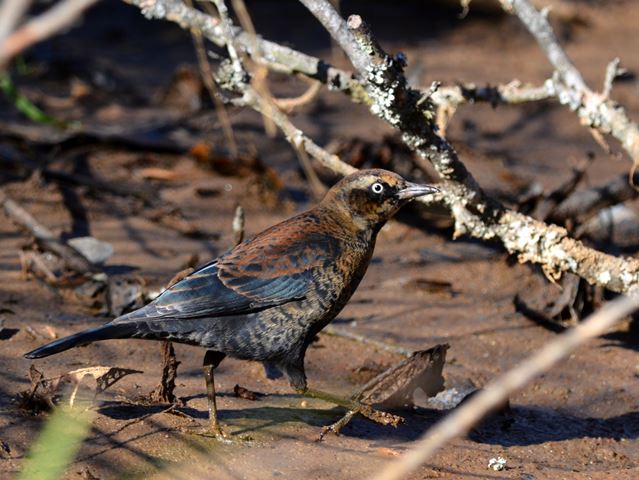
(387, 451)
(104, 377)
(156, 173)
(241, 392)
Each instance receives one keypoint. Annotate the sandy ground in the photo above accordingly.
(581, 420)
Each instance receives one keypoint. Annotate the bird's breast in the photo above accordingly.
(335, 284)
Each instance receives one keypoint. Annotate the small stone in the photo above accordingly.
(94, 250)
(497, 464)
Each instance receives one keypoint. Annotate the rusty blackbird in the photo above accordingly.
(268, 297)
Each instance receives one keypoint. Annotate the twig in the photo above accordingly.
(207, 79)
(276, 57)
(289, 105)
(326, 13)
(11, 12)
(45, 238)
(585, 203)
(295, 136)
(57, 18)
(449, 99)
(258, 88)
(259, 77)
(338, 332)
(612, 72)
(238, 225)
(496, 392)
(378, 416)
(164, 391)
(595, 110)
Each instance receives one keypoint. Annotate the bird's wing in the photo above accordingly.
(268, 271)
(204, 294)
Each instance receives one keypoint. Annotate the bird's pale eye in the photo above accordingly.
(377, 188)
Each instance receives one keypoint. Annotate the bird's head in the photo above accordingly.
(371, 197)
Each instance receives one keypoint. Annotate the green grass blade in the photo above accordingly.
(23, 104)
(58, 444)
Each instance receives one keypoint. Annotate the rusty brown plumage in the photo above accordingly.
(268, 297)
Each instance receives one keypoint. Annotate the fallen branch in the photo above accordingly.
(460, 421)
(586, 203)
(45, 238)
(383, 87)
(596, 110)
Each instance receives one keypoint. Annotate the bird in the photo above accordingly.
(267, 298)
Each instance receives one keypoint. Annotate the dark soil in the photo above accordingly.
(581, 420)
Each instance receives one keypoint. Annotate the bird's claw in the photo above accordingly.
(335, 428)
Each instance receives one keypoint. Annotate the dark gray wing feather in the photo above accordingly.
(203, 294)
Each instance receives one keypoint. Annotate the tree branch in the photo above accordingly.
(11, 12)
(57, 18)
(474, 213)
(512, 93)
(595, 110)
(385, 90)
(276, 57)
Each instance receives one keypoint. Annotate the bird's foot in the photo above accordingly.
(336, 427)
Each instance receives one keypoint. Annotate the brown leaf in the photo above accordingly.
(241, 392)
(39, 397)
(156, 173)
(429, 285)
(395, 386)
(387, 451)
(104, 377)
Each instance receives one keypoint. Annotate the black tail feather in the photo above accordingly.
(103, 332)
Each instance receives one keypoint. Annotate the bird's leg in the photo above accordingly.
(211, 360)
(214, 424)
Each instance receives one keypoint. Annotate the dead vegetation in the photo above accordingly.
(576, 233)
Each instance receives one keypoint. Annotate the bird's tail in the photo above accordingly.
(104, 332)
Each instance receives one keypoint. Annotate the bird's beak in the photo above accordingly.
(413, 190)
